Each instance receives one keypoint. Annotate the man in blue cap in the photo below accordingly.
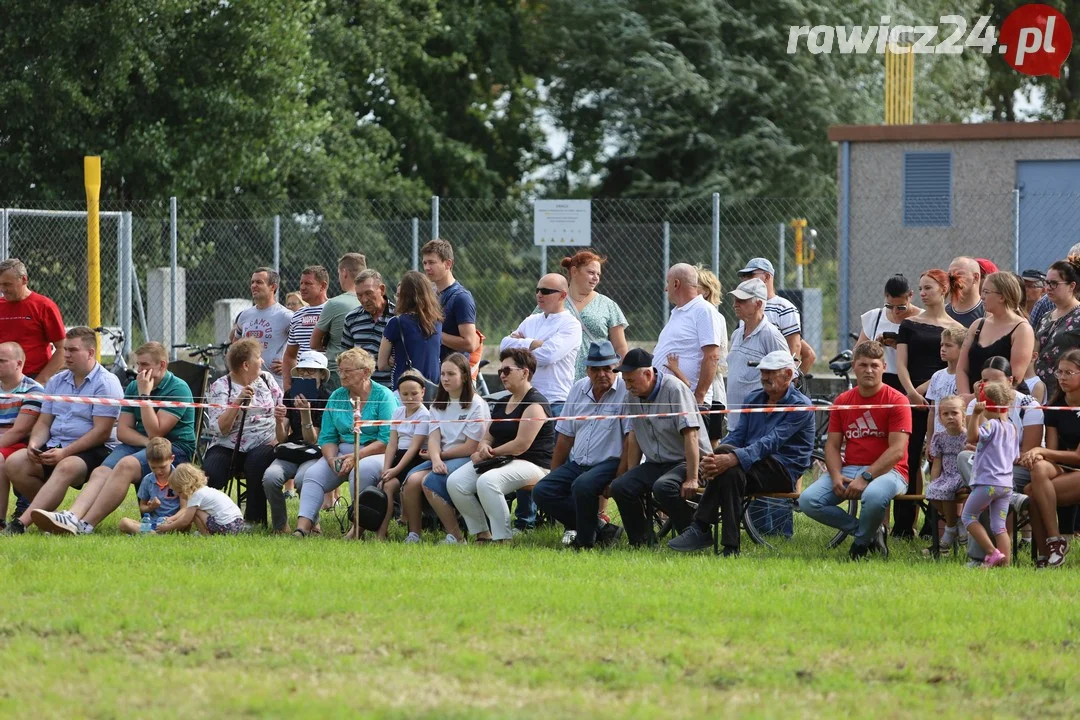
(587, 452)
(766, 452)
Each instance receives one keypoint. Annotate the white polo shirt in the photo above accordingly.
(692, 327)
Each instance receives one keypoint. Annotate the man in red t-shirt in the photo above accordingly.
(873, 465)
(31, 320)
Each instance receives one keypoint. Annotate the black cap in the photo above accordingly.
(635, 360)
(1033, 275)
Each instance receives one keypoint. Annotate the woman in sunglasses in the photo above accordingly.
(918, 357)
(1058, 330)
(514, 454)
(883, 324)
(1004, 331)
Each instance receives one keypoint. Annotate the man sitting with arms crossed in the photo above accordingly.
(69, 440)
(872, 466)
(672, 446)
(17, 414)
(127, 465)
(766, 452)
(587, 452)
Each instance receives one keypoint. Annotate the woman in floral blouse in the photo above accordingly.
(255, 396)
(1058, 330)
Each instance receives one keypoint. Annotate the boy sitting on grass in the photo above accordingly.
(212, 511)
(156, 498)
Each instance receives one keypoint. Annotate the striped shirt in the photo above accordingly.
(301, 326)
(362, 331)
(11, 407)
(783, 314)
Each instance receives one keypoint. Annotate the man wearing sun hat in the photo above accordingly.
(754, 338)
(587, 452)
(766, 452)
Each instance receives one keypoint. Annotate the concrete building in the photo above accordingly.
(912, 197)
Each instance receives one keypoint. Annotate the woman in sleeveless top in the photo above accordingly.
(918, 357)
(523, 442)
(1004, 331)
(883, 324)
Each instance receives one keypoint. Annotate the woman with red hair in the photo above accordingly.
(600, 316)
(918, 357)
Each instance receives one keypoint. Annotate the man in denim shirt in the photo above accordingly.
(69, 440)
(766, 452)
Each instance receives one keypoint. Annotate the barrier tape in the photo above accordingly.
(114, 402)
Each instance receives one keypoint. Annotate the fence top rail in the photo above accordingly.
(16, 212)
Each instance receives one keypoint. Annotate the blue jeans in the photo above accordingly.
(525, 506)
(821, 503)
(436, 482)
(571, 494)
(122, 451)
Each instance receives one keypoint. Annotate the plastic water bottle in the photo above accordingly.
(146, 526)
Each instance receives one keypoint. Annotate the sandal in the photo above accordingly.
(298, 533)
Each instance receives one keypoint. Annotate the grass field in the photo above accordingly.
(111, 626)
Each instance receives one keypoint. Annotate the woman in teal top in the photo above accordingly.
(601, 317)
(355, 366)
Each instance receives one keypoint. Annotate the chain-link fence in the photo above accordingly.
(848, 252)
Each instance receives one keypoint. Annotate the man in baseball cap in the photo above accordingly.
(780, 311)
(1034, 289)
(766, 452)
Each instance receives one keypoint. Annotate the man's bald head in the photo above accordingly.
(682, 284)
(965, 263)
(555, 281)
(13, 350)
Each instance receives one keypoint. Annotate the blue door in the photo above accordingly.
(1049, 210)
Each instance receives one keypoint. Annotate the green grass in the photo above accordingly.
(111, 626)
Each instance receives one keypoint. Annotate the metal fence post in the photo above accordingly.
(127, 275)
(119, 318)
(416, 243)
(1016, 230)
(3, 234)
(665, 308)
(716, 234)
(543, 260)
(171, 338)
(277, 243)
(844, 292)
(781, 255)
(434, 217)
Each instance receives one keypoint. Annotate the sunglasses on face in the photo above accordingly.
(546, 291)
(504, 371)
(901, 308)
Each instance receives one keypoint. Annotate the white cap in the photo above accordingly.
(752, 288)
(312, 360)
(777, 360)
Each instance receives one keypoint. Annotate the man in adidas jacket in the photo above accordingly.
(873, 467)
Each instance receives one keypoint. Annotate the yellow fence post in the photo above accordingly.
(92, 181)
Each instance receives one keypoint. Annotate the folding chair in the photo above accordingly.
(197, 378)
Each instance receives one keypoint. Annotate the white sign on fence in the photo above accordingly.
(562, 222)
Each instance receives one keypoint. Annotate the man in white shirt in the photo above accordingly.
(554, 337)
(694, 335)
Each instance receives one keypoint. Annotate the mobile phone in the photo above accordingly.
(890, 335)
(308, 387)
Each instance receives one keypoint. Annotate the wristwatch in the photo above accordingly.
(309, 426)
(867, 476)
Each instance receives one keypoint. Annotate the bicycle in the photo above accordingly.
(119, 366)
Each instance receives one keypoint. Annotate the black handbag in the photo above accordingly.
(298, 453)
(491, 463)
(371, 503)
